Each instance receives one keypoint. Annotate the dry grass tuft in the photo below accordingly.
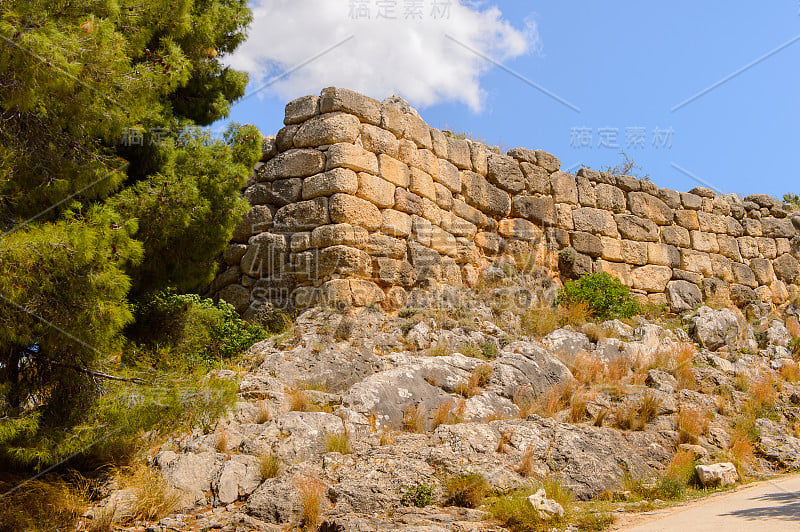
(682, 467)
(263, 414)
(312, 497)
(154, 499)
(387, 438)
(478, 378)
(601, 417)
(269, 465)
(741, 449)
(298, 400)
(466, 491)
(539, 322)
(633, 416)
(555, 399)
(222, 441)
(338, 442)
(793, 326)
(524, 400)
(681, 358)
(587, 369)
(790, 372)
(691, 425)
(578, 405)
(414, 418)
(448, 413)
(505, 439)
(41, 505)
(525, 467)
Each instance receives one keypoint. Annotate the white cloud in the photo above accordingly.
(411, 58)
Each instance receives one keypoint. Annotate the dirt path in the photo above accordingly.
(770, 506)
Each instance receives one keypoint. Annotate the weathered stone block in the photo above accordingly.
(258, 219)
(670, 197)
(364, 107)
(762, 268)
(742, 274)
(651, 278)
(380, 245)
(504, 172)
(519, 228)
(439, 143)
(300, 241)
(421, 184)
(729, 247)
(711, 223)
(284, 139)
(443, 242)
(469, 213)
(565, 190)
(353, 157)
(697, 262)
(722, 267)
(421, 230)
(610, 198)
(537, 179)
(548, 161)
(406, 201)
(458, 226)
(748, 247)
(234, 253)
(587, 244)
(292, 163)
(482, 195)
(687, 219)
(379, 141)
(634, 252)
(595, 221)
(649, 207)
(479, 154)
(540, 209)
(458, 153)
(628, 183)
(265, 255)
(767, 247)
(676, 236)
(301, 109)
(787, 269)
(635, 228)
(393, 272)
(448, 176)
(393, 118)
(490, 243)
(356, 211)
(302, 216)
(683, 295)
(418, 131)
(706, 242)
(325, 184)
(586, 193)
(343, 261)
(618, 270)
(341, 234)
(395, 223)
(612, 249)
(431, 212)
(691, 201)
(444, 198)
(375, 190)
(394, 171)
(778, 228)
(663, 255)
(329, 128)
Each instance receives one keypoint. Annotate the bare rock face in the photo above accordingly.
(547, 508)
(715, 328)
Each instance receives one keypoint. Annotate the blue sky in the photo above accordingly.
(624, 64)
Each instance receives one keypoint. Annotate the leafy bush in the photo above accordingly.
(420, 496)
(605, 295)
(199, 331)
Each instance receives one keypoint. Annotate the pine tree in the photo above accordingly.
(105, 184)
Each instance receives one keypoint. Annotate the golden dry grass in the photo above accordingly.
(524, 400)
(298, 400)
(525, 467)
(578, 405)
(635, 416)
(793, 326)
(478, 378)
(790, 372)
(691, 425)
(555, 399)
(269, 465)
(448, 413)
(681, 358)
(505, 439)
(539, 322)
(311, 491)
(414, 418)
(154, 499)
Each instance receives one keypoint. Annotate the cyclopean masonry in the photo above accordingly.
(357, 201)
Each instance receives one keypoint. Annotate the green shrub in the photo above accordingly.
(420, 496)
(794, 199)
(605, 295)
(197, 331)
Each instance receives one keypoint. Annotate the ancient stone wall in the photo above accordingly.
(357, 201)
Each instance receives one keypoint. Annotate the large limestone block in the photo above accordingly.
(722, 475)
(634, 252)
(762, 268)
(742, 274)
(767, 247)
(427, 162)
(586, 193)
(343, 261)
(375, 190)
(421, 184)
(587, 243)
(459, 154)
(520, 228)
(284, 139)
(418, 131)
(393, 272)
(636, 228)
(697, 262)
(484, 196)
(356, 211)
(691, 201)
(443, 242)
(479, 155)
(752, 227)
(595, 221)
(379, 140)
(565, 189)
(539, 209)
(617, 269)
(490, 243)
(351, 292)
(504, 172)
(611, 249)
(393, 119)
(748, 246)
(292, 163)
(651, 278)
(649, 207)
(671, 197)
(421, 230)
(265, 254)
(394, 171)
(778, 228)
(439, 142)
(458, 226)
(350, 156)
(395, 223)
(331, 182)
(339, 235)
(444, 198)
(407, 202)
(302, 216)
(663, 255)
(683, 295)
(364, 107)
(706, 242)
(610, 198)
(628, 183)
(469, 213)
(711, 223)
(258, 219)
(729, 247)
(687, 219)
(430, 211)
(325, 129)
(301, 109)
(276, 193)
(448, 176)
(722, 267)
(787, 268)
(380, 245)
(237, 295)
(548, 161)
(537, 179)
(676, 235)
